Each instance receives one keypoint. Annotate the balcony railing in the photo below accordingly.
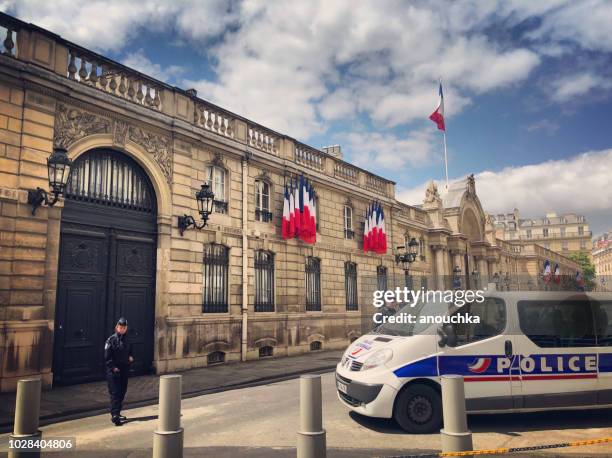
(263, 215)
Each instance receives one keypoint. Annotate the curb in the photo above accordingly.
(75, 414)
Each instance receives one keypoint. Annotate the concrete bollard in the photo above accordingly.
(455, 435)
(27, 413)
(168, 439)
(311, 437)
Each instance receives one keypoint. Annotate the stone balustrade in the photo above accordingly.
(90, 69)
(211, 118)
(262, 139)
(309, 157)
(108, 76)
(346, 172)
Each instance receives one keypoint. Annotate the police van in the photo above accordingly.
(529, 351)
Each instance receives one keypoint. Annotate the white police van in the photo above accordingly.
(531, 351)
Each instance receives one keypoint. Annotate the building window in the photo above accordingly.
(267, 351)
(421, 248)
(348, 223)
(350, 285)
(580, 230)
(562, 232)
(528, 233)
(264, 281)
(315, 346)
(381, 278)
(313, 284)
(424, 282)
(583, 245)
(262, 201)
(216, 357)
(545, 232)
(216, 263)
(216, 179)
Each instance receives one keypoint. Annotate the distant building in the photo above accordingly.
(602, 256)
(566, 234)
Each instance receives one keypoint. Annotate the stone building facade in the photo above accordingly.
(566, 234)
(232, 291)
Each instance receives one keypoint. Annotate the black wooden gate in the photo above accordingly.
(106, 266)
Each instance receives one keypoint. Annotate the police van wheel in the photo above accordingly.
(418, 410)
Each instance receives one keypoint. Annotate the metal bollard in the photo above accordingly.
(168, 439)
(455, 436)
(311, 437)
(27, 412)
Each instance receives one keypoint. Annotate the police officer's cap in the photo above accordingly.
(122, 322)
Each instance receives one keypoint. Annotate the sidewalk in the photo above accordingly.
(77, 401)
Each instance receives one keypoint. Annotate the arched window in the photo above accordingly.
(216, 266)
(313, 284)
(264, 281)
(216, 179)
(262, 201)
(216, 357)
(349, 233)
(315, 345)
(350, 285)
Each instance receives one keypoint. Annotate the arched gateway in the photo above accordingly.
(106, 264)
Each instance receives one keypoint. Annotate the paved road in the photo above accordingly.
(262, 421)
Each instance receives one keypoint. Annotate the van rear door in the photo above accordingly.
(558, 354)
(602, 311)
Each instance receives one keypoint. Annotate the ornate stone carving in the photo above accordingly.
(120, 132)
(158, 145)
(431, 193)
(471, 182)
(72, 124)
(218, 160)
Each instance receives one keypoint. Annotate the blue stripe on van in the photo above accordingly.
(605, 362)
(423, 368)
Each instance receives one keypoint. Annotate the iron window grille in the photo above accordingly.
(220, 206)
(424, 282)
(264, 281)
(262, 201)
(216, 267)
(216, 357)
(263, 215)
(350, 285)
(381, 278)
(313, 284)
(266, 352)
(316, 345)
(107, 178)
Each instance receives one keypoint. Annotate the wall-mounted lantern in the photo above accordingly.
(58, 168)
(204, 198)
(409, 255)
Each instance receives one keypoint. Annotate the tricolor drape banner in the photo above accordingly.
(557, 274)
(374, 233)
(547, 272)
(299, 211)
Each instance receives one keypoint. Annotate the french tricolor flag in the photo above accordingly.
(374, 234)
(438, 115)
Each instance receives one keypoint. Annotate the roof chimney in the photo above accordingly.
(334, 150)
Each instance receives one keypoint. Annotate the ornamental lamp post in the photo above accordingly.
(409, 255)
(58, 169)
(457, 277)
(204, 198)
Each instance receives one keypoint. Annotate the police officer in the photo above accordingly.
(117, 358)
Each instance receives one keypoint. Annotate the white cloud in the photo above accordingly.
(546, 125)
(569, 87)
(387, 151)
(139, 61)
(577, 184)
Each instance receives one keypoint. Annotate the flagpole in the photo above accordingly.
(445, 157)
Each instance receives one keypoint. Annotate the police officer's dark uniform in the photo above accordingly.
(117, 353)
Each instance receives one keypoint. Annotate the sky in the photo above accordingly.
(527, 84)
